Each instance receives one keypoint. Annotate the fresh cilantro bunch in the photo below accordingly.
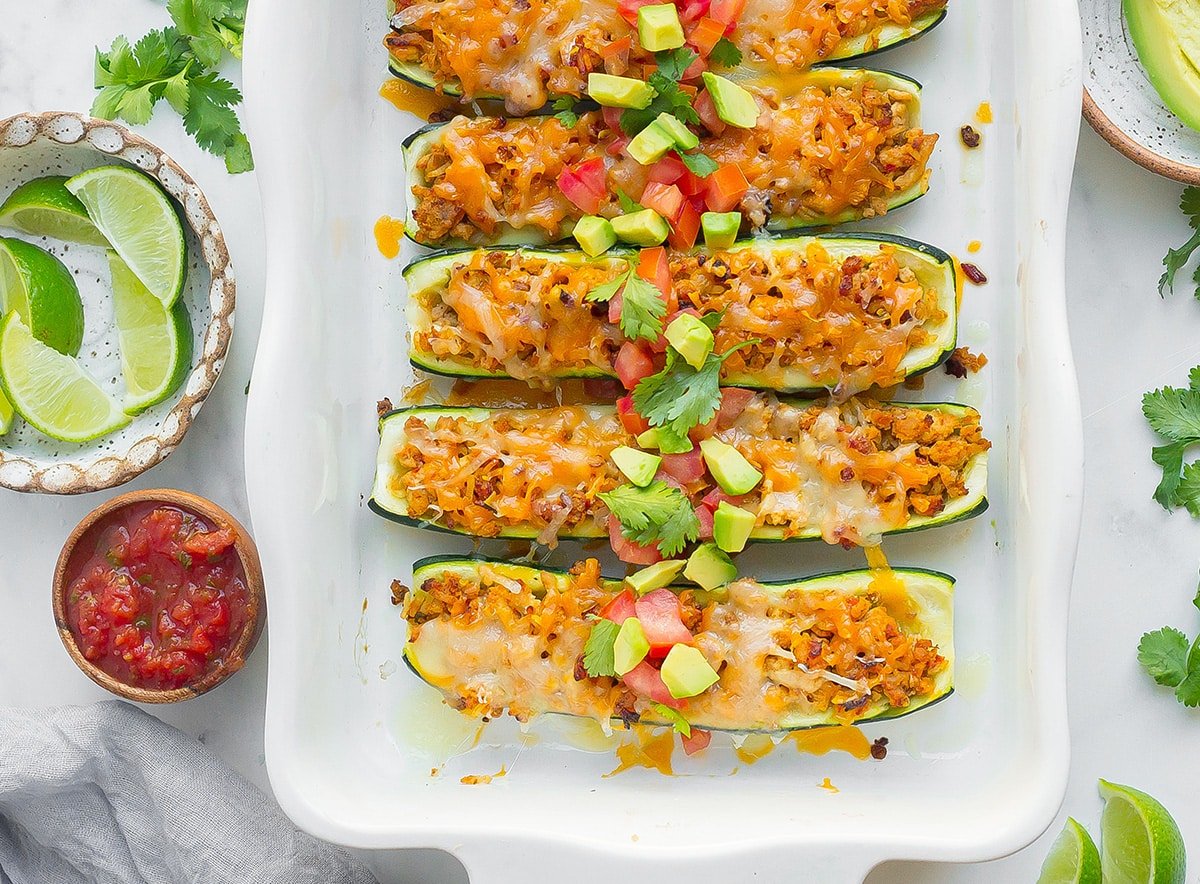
(658, 513)
(1174, 413)
(1172, 661)
(175, 64)
(1177, 259)
(642, 305)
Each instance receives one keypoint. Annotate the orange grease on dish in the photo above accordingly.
(842, 738)
(983, 113)
(828, 786)
(417, 100)
(755, 748)
(389, 233)
(649, 750)
(484, 779)
(974, 246)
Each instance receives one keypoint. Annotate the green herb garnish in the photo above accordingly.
(642, 305)
(681, 397)
(658, 513)
(725, 54)
(1174, 413)
(699, 164)
(598, 652)
(566, 111)
(673, 718)
(1172, 661)
(668, 98)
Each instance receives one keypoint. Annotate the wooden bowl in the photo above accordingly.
(256, 602)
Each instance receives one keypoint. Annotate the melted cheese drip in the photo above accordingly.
(755, 748)
(389, 233)
(844, 738)
(983, 113)
(648, 749)
(414, 99)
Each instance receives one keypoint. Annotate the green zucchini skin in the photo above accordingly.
(384, 504)
(937, 622)
(416, 145)
(849, 52)
(933, 265)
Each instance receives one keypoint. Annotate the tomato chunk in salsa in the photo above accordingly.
(156, 596)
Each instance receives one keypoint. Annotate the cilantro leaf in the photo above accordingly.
(1196, 600)
(642, 309)
(657, 513)
(682, 397)
(1194, 379)
(668, 97)
(673, 718)
(606, 290)
(1173, 413)
(628, 206)
(1176, 259)
(213, 27)
(1187, 493)
(1170, 458)
(1187, 691)
(210, 117)
(725, 54)
(1163, 654)
(598, 651)
(699, 164)
(713, 319)
(566, 111)
(674, 62)
(1189, 204)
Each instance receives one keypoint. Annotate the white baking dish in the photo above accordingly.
(348, 738)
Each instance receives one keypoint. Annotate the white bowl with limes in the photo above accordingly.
(105, 383)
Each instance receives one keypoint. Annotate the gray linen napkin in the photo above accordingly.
(107, 794)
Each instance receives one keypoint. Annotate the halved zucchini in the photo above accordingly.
(934, 269)
(483, 663)
(388, 498)
(419, 143)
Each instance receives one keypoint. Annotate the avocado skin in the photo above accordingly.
(1172, 74)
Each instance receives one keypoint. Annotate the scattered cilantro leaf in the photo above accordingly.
(566, 111)
(1196, 600)
(657, 513)
(699, 164)
(1163, 654)
(1170, 458)
(213, 27)
(674, 62)
(725, 54)
(628, 206)
(682, 397)
(1173, 413)
(642, 309)
(713, 319)
(598, 651)
(1177, 259)
(668, 97)
(1187, 492)
(673, 718)
(1188, 690)
(606, 290)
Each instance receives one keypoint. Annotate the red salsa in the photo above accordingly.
(156, 596)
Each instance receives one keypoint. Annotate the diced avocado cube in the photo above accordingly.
(665, 440)
(686, 673)
(630, 647)
(733, 472)
(638, 466)
(684, 138)
(659, 28)
(594, 235)
(732, 526)
(710, 567)
(644, 228)
(720, 228)
(691, 338)
(650, 145)
(612, 91)
(656, 576)
(734, 104)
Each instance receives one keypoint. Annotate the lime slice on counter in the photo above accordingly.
(52, 391)
(156, 341)
(43, 293)
(1073, 858)
(139, 221)
(1140, 842)
(44, 207)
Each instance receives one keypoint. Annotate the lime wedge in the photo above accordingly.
(156, 341)
(43, 293)
(44, 207)
(139, 221)
(52, 391)
(6, 414)
(1073, 858)
(1141, 844)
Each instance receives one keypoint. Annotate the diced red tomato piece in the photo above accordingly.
(633, 363)
(632, 421)
(603, 389)
(692, 10)
(654, 266)
(591, 173)
(646, 681)
(705, 517)
(612, 117)
(661, 617)
(686, 467)
(713, 499)
(686, 228)
(668, 170)
(627, 550)
(584, 198)
(705, 34)
(621, 607)
(695, 69)
(697, 742)
(616, 147)
(704, 107)
(692, 186)
(629, 9)
(727, 12)
(733, 402)
(615, 304)
(726, 187)
(666, 199)
(667, 479)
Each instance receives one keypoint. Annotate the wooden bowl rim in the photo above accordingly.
(247, 553)
(1134, 150)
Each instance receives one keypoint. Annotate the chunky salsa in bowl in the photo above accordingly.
(158, 596)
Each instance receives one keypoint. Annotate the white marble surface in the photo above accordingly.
(1137, 566)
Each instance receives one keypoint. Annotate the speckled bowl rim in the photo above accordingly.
(1135, 150)
(68, 128)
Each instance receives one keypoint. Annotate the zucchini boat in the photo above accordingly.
(848, 473)
(840, 313)
(525, 52)
(841, 648)
(830, 146)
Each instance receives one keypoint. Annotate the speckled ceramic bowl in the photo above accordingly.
(1123, 107)
(60, 143)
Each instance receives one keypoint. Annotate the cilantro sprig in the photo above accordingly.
(668, 97)
(642, 305)
(681, 397)
(1177, 259)
(725, 54)
(672, 717)
(174, 63)
(658, 513)
(1174, 413)
(598, 658)
(567, 114)
(1172, 661)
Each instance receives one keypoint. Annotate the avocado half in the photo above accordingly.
(1166, 34)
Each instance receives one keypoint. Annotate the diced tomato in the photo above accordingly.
(686, 467)
(653, 266)
(666, 199)
(646, 681)
(621, 608)
(627, 550)
(707, 111)
(587, 200)
(615, 304)
(632, 421)
(686, 228)
(688, 89)
(668, 170)
(633, 363)
(667, 479)
(661, 617)
(612, 117)
(705, 517)
(697, 742)
(692, 10)
(733, 402)
(705, 34)
(714, 498)
(617, 146)
(591, 173)
(603, 389)
(726, 187)
(695, 69)
(693, 186)
(616, 47)
(727, 12)
(629, 9)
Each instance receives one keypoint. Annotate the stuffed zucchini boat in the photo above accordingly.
(527, 51)
(841, 648)
(848, 473)
(840, 313)
(829, 146)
